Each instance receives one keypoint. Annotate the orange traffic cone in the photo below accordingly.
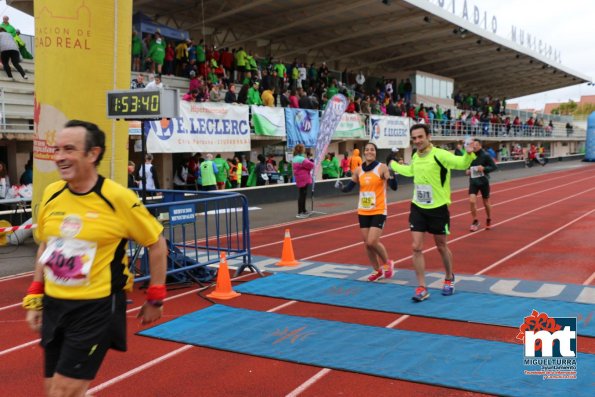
(223, 288)
(287, 257)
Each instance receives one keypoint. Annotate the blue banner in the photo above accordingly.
(330, 120)
(302, 126)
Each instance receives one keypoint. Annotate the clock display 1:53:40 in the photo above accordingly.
(134, 103)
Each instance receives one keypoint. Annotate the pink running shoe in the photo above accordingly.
(378, 274)
(388, 269)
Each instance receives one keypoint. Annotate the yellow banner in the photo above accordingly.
(82, 50)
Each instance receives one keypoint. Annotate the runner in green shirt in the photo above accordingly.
(430, 168)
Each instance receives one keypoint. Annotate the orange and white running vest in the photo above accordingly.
(372, 193)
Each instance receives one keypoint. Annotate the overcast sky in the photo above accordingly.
(566, 25)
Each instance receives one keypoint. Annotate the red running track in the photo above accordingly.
(541, 231)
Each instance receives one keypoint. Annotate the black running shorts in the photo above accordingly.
(484, 188)
(368, 221)
(76, 334)
(433, 220)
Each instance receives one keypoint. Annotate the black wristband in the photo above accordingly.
(155, 303)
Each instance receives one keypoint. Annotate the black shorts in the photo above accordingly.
(368, 221)
(484, 188)
(76, 334)
(433, 220)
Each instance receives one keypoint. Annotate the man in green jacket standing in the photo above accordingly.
(430, 168)
(254, 95)
(330, 169)
(223, 171)
(208, 170)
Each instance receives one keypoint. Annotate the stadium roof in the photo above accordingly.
(378, 37)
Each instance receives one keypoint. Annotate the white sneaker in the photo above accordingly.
(301, 215)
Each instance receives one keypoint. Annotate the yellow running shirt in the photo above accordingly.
(86, 238)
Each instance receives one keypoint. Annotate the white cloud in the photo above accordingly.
(567, 25)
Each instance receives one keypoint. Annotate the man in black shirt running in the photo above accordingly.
(479, 181)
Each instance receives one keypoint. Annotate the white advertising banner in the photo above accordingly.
(206, 127)
(389, 132)
(352, 125)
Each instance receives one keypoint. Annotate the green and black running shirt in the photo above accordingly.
(431, 175)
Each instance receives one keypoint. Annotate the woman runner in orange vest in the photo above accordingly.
(372, 178)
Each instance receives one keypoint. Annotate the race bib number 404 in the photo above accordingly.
(68, 261)
(424, 194)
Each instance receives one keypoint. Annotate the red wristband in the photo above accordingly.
(156, 292)
(35, 288)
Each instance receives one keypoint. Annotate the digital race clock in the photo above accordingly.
(142, 104)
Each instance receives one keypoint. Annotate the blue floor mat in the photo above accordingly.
(463, 306)
(450, 361)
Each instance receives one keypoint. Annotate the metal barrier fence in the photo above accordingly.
(198, 227)
(524, 115)
(488, 129)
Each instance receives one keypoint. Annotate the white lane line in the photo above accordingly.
(10, 306)
(456, 216)
(493, 265)
(15, 276)
(15, 348)
(590, 279)
(169, 298)
(138, 369)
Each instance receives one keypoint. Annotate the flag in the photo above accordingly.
(330, 120)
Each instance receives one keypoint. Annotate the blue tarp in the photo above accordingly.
(450, 361)
(473, 307)
(143, 24)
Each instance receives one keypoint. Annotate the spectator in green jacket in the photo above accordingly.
(7, 26)
(223, 171)
(330, 169)
(254, 95)
(157, 53)
(208, 170)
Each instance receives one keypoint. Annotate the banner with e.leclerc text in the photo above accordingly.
(202, 127)
(389, 132)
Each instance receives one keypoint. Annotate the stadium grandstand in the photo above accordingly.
(409, 58)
